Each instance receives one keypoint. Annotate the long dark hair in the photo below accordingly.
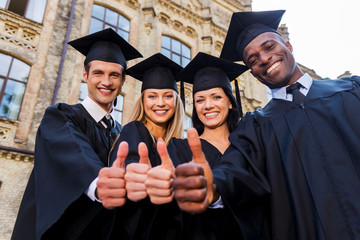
(232, 118)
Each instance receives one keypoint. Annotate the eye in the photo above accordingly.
(169, 96)
(151, 96)
(217, 97)
(269, 46)
(199, 100)
(253, 61)
(115, 75)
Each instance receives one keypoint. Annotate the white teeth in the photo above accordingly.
(275, 65)
(211, 114)
(105, 90)
(162, 111)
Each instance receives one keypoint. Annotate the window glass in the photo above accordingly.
(175, 46)
(95, 25)
(2, 3)
(5, 64)
(98, 11)
(166, 53)
(165, 42)
(187, 124)
(35, 10)
(11, 100)
(19, 70)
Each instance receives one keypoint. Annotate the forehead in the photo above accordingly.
(217, 90)
(96, 64)
(257, 42)
(158, 91)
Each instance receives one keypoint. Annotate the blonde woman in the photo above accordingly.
(158, 113)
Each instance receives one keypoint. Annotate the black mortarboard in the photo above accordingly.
(156, 72)
(107, 46)
(244, 27)
(206, 71)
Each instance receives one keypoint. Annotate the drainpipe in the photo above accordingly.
(57, 86)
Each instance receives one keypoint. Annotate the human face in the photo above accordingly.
(271, 60)
(159, 106)
(212, 107)
(104, 82)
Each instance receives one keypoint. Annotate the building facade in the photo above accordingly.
(39, 69)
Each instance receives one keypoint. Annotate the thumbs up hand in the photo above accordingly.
(111, 184)
(160, 178)
(193, 185)
(136, 174)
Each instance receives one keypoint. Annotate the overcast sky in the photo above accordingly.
(325, 34)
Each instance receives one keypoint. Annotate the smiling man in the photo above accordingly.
(305, 141)
(73, 143)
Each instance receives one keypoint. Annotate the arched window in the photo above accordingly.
(102, 18)
(13, 78)
(175, 50)
(31, 9)
(118, 109)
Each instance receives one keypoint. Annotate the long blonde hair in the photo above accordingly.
(175, 126)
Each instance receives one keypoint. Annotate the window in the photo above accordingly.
(187, 124)
(31, 9)
(102, 18)
(175, 50)
(13, 77)
(118, 109)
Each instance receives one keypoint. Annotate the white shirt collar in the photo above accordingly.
(95, 110)
(305, 81)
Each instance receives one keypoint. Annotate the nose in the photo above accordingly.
(264, 58)
(208, 104)
(106, 81)
(160, 102)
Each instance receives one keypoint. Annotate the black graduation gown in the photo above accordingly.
(143, 220)
(310, 155)
(70, 150)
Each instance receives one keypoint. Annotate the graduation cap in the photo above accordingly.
(156, 72)
(206, 71)
(107, 46)
(244, 27)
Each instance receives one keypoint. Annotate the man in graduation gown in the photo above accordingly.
(304, 142)
(73, 143)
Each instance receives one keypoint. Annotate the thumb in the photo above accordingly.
(143, 154)
(165, 158)
(195, 146)
(121, 155)
(199, 157)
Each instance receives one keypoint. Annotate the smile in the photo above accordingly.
(160, 111)
(213, 114)
(105, 90)
(272, 68)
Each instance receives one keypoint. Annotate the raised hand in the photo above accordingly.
(159, 178)
(193, 185)
(136, 174)
(111, 184)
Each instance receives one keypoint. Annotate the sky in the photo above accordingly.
(325, 34)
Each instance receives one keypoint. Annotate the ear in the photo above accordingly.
(85, 75)
(289, 46)
(230, 106)
(123, 80)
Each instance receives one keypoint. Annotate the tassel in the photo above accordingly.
(238, 98)
(182, 93)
